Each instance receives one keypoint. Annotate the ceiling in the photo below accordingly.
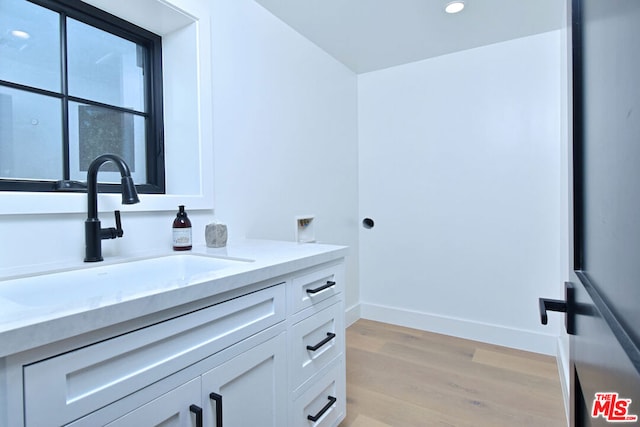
(368, 35)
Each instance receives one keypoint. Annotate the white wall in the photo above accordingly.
(460, 168)
(285, 144)
(285, 132)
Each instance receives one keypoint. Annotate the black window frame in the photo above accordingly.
(154, 122)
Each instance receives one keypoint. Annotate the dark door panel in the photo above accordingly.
(604, 357)
(606, 212)
(610, 153)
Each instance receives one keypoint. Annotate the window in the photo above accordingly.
(77, 82)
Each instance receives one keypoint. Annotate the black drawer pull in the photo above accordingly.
(321, 288)
(198, 411)
(218, 399)
(317, 416)
(330, 336)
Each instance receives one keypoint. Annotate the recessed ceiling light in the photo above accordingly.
(454, 7)
(20, 34)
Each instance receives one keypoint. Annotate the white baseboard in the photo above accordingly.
(351, 315)
(462, 328)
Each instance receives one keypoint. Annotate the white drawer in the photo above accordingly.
(67, 387)
(324, 403)
(315, 341)
(316, 286)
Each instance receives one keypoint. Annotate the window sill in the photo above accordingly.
(14, 203)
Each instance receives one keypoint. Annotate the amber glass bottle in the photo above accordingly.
(181, 231)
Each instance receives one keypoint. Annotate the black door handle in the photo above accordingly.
(563, 306)
(552, 305)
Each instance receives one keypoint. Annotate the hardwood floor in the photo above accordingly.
(405, 377)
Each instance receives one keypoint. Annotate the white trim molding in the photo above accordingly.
(462, 328)
(352, 314)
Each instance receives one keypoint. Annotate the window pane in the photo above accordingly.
(30, 135)
(29, 45)
(94, 131)
(104, 67)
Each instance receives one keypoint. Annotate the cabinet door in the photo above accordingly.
(250, 389)
(173, 409)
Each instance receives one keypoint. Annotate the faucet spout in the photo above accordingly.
(129, 193)
(94, 234)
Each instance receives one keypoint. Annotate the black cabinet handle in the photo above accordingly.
(198, 411)
(317, 416)
(330, 336)
(321, 288)
(561, 306)
(218, 399)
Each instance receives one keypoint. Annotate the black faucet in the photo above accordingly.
(93, 234)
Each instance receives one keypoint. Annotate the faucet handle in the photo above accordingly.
(119, 231)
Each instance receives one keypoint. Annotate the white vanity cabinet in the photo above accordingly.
(317, 347)
(270, 356)
(244, 391)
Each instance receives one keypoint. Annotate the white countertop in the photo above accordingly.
(23, 327)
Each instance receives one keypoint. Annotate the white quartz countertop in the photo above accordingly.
(24, 326)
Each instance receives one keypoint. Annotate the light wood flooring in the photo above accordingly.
(405, 377)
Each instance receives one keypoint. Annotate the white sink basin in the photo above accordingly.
(102, 282)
